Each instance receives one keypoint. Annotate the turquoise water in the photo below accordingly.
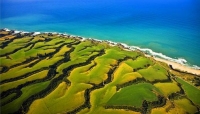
(169, 27)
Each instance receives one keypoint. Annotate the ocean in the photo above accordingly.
(171, 28)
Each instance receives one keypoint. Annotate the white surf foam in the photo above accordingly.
(127, 47)
(36, 33)
(6, 29)
(16, 31)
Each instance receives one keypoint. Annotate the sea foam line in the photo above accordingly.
(147, 51)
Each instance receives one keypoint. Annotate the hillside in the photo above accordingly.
(54, 73)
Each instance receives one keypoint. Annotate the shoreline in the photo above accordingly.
(179, 67)
(178, 64)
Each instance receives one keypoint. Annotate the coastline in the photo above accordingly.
(179, 67)
(178, 64)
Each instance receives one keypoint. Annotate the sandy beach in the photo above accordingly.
(179, 66)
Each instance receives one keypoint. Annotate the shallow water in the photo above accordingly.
(169, 27)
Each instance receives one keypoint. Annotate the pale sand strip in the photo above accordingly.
(179, 66)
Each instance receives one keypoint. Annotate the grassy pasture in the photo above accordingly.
(102, 110)
(7, 98)
(124, 73)
(134, 95)
(167, 88)
(62, 99)
(140, 62)
(46, 44)
(163, 110)
(18, 72)
(26, 93)
(18, 43)
(45, 49)
(14, 84)
(7, 37)
(192, 92)
(80, 74)
(186, 105)
(62, 51)
(12, 72)
(124, 88)
(100, 97)
(153, 73)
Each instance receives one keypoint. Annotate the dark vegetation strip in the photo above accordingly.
(146, 106)
(33, 44)
(101, 85)
(27, 45)
(57, 49)
(18, 94)
(2, 35)
(55, 82)
(28, 60)
(59, 42)
(23, 76)
(40, 56)
(5, 68)
(85, 47)
(161, 100)
(95, 64)
(182, 94)
(34, 63)
(131, 108)
(29, 48)
(155, 104)
(15, 50)
(178, 94)
(43, 68)
(4, 44)
(145, 66)
(32, 58)
(136, 81)
(50, 45)
(140, 80)
(50, 75)
(43, 46)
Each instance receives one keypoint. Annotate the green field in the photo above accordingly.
(192, 92)
(167, 88)
(134, 95)
(51, 74)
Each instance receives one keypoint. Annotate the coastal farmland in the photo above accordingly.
(54, 73)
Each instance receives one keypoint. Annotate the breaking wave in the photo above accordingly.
(145, 50)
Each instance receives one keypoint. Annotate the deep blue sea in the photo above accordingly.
(170, 27)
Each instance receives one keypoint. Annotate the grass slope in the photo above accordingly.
(51, 73)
